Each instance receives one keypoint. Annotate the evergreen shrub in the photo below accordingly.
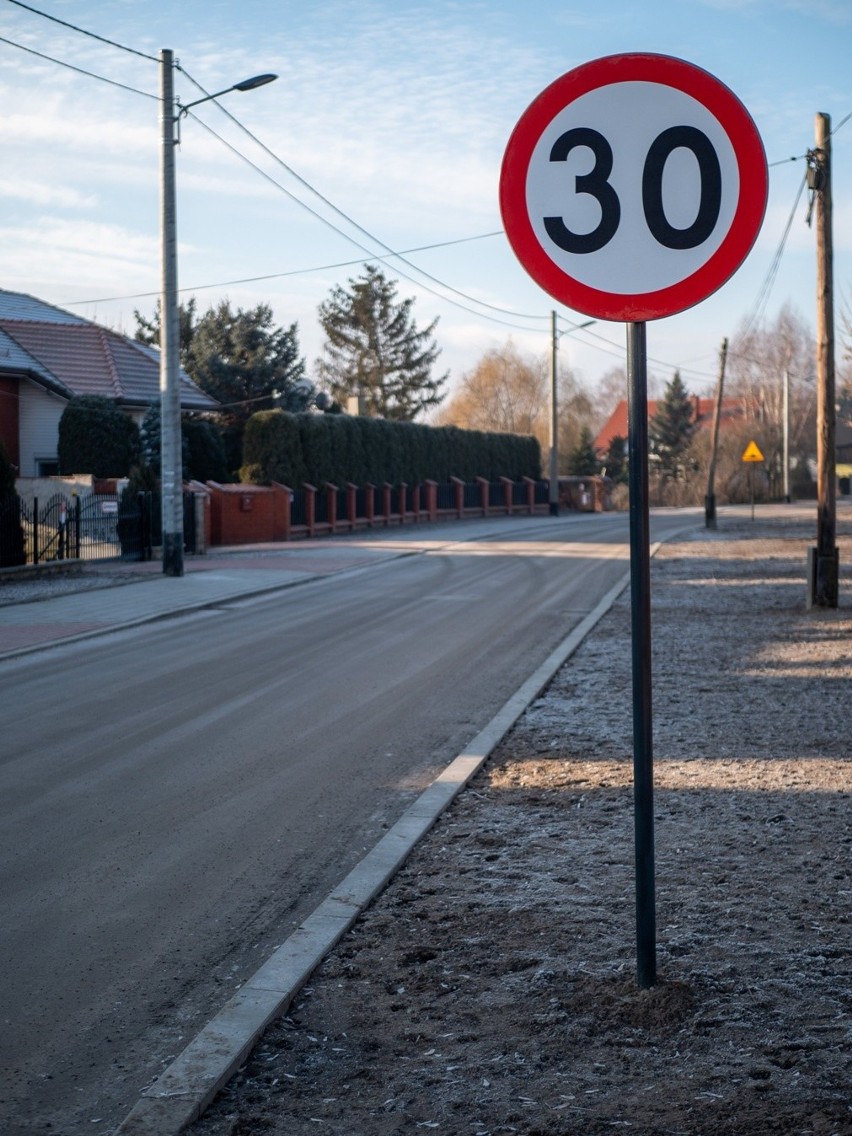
(317, 448)
(96, 437)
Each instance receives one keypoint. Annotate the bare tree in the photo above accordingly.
(579, 414)
(610, 390)
(844, 364)
(758, 361)
(509, 392)
(761, 361)
(505, 392)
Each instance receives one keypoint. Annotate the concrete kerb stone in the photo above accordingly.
(189, 1085)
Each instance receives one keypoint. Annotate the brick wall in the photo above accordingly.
(247, 514)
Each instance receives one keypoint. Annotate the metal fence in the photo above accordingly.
(94, 526)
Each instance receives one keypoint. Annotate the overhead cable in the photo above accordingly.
(83, 31)
(79, 70)
(765, 289)
(369, 253)
(350, 221)
(272, 275)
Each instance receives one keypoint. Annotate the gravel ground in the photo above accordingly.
(29, 589)
(491, 988)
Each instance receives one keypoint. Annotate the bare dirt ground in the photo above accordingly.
(491, 989)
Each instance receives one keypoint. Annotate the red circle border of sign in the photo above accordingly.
(748, 217)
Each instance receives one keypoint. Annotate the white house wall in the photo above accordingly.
(39, 414)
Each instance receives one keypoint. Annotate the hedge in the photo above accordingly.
(338, 448)
(96, 437)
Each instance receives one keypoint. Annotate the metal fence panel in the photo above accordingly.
(321, 507)
(298, 511)
(472, 495)
(446, 496)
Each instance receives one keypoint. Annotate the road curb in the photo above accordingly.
(188, 1086)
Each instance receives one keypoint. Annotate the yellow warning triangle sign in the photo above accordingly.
(752, 453)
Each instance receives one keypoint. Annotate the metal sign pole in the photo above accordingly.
(640, 588)
(617, 272)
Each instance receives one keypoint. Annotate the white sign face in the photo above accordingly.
(633, 187)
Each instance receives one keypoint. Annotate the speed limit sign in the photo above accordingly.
(633, 187)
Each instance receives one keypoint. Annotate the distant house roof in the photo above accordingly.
(14, 358)
(19, 306)
(617, 427)
(73, 356)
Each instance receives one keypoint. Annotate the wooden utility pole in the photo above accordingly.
(823, 562)
(710, 499)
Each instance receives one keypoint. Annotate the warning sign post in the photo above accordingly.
(752, 455)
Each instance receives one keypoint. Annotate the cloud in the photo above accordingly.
(79, 251)
(44, 193)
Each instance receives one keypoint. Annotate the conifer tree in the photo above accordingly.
(671, 429)
(375, 352)
(242, 360)
(583, 461)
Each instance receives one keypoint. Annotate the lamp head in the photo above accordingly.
(245, 85)
(257, 81)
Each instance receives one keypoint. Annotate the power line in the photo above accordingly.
(350, 221)
(765, 289)
(79, 70)
(842, 122)
(370, 254)
(82, 31)
(276, 275)
(389, 253)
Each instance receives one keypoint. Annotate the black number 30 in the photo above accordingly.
(596, 184)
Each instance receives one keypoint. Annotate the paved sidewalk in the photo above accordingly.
(145, 594)
(44, 611)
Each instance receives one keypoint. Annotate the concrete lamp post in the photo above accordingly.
(171, 473)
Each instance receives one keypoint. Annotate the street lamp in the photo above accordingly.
(171, 472)
(553, 495)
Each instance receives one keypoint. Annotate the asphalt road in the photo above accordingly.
(178, 797)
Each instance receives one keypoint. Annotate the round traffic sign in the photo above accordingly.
(633, 187)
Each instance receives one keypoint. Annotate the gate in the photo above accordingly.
(97, 526)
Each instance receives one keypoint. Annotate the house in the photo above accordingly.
(733, 412)
(47, 356)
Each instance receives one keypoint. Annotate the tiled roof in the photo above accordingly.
(14, 358)
(76, 357)
(617, 427)
(19, 306)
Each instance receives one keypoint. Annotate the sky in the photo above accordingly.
(384, 133)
